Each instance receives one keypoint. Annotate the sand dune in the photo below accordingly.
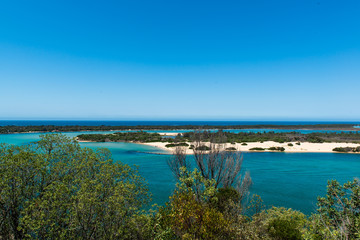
(303, 147)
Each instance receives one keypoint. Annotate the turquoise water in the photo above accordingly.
(281, 179)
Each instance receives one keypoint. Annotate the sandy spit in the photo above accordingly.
(304, 147)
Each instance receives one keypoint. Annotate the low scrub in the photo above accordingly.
(230, 149)
(280, 149)
(176, 145)
(347, 149)
(257, 149)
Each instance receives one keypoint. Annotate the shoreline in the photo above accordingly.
(304, 147)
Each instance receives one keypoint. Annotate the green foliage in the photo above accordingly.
(347, 149)
(189, 214)
(290, 144)
(225, 137)
(338, 212)
(53, 128)
(280, 149)
(230, 149)
(225, 197)
(139, 136)
(284, 229)
(177, 145)
(244, 144)
(54, 189)
(257, 149)
(280, 223)
(280, 137)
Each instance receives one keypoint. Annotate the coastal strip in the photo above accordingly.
(304, 147)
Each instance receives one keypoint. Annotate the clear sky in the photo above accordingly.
(180, 59)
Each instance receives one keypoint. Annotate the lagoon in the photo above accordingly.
(281, 179)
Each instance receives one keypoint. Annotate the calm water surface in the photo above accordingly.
(281, 179)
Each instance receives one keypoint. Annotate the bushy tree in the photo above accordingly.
(189, 213)
(54, 189)
(338, 214)
(277, 223)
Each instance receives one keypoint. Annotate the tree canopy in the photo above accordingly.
(55, 189)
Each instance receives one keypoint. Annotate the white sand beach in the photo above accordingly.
(302, 148)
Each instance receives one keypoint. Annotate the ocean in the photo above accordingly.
(157, 123)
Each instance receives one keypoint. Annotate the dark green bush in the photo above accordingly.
(346, 149)
(177, 145)
(286, 229)
(230, 149)
(226, 196)
(281, 149)
(257, 149)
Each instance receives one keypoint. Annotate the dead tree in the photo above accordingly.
(178, 160)
(214, 162)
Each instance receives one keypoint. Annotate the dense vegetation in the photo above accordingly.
(226, 137)
(54, 189)
(54, 128)
(123, 136)
(257, 149)
(229, 137)
(347, 149)
(177, 145)
(280, 149)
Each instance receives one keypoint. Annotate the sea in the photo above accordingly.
(157, 123)
(291, 180)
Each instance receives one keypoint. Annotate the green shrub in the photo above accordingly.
(257, 149)
(281, 223)
(55, 189)
(281, 149)
(298, 143)
(244, 144)
(346, 149)
(338, 214)
(290, 144)
(230, 149)
(177, 145)
(188, 214)
(225, 197)
(284, 229)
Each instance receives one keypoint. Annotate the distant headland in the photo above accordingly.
(75, 128)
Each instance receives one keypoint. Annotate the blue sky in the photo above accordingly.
(180, 60)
